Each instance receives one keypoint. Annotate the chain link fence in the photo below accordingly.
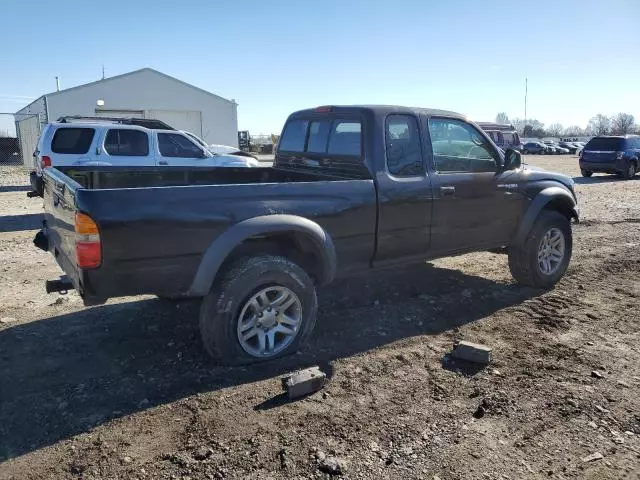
(18, 138)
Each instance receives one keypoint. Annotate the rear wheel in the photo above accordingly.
(586, 173)
(263, 308)
(630, 172)
(543, 258)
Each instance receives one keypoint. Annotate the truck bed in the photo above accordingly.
(156, 223)
(97, 178)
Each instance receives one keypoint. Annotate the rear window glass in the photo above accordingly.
(604, 144)
(345, 138)
(293, 137)
(72, 140)
(131, 143)
(318, 136)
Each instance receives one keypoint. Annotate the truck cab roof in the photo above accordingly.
(377, 110)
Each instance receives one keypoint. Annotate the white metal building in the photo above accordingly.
(144, 93)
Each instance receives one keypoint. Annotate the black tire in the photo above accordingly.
(525, 152)
(523, 259)
(586, 173)
(221, 308)
(630, 172)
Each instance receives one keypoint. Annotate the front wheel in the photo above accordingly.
(586, 173)
(525, 151)
(263, 308)
(543, 258)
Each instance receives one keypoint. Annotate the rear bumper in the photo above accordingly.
(73, 276)
(602, 167)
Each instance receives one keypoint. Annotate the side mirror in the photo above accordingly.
(512, 159)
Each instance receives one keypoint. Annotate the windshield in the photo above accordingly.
(196, 139)
(604, 144)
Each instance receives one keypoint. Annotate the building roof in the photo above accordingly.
(108, 79)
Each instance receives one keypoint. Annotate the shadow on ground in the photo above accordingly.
(601, 179)
(63, 375)
(15, 188)
(18, 223)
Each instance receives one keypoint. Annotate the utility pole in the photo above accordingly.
(57, 84)
(103, 71)
(525, 101)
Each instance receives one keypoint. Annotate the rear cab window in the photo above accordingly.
(345, 138)
(332, 143)
(294, 135)
(332, 136)
(72, 141)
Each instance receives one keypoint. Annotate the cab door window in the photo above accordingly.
(459, 147)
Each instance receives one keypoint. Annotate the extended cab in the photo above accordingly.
(351, 188)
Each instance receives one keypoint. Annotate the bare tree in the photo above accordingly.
(622, 124)
(518, 124)
(534, 128)
(4, 133)
(555, 129)
(502, 118)
(573, 131)
(599, 125)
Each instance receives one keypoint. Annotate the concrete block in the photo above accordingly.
(304, 382)
(472, 352)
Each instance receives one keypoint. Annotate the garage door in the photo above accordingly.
(120, 113)
(188, 120)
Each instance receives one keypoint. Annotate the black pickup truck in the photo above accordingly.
(352, 187)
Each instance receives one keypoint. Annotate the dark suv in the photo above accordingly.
(611, 154)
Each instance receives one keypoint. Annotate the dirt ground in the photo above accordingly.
(125, 390)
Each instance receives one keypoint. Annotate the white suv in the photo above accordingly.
(122, 142)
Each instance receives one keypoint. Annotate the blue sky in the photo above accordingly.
(581, 57)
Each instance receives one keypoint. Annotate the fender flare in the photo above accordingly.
(557, 195)
(219, 250)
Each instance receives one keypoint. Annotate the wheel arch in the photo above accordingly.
(294, 237)
(551, 198)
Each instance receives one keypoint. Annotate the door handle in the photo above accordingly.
(448, 190)
(163, 162)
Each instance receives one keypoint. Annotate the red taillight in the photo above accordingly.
(88, 245)
(45, 161)
(324, 109)
(88, 254)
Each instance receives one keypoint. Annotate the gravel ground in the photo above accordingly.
(125, 390)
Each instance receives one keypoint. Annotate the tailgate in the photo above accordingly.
(59, 224)
(598, 156)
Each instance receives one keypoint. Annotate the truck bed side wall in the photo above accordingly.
(153, 238)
